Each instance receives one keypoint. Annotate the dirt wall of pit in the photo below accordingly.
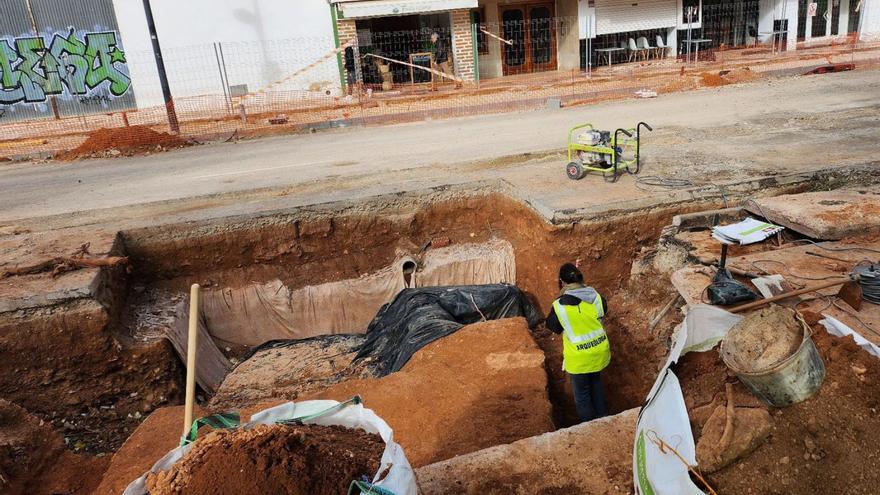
(64, 365)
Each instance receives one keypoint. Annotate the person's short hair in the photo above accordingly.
(435, 34)
(569, 274)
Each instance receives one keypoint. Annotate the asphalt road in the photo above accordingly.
(41, 189)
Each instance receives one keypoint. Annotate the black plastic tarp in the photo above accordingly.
(417, 317)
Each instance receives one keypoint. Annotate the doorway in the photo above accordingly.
(531, 30)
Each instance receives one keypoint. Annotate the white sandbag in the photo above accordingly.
(664, 416)
(399, 480)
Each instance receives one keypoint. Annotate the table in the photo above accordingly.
(608, 52)
(698, 42)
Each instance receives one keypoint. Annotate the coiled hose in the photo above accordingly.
(868, 276)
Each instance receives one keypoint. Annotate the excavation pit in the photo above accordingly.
(339, 266)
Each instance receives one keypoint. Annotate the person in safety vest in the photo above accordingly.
(577, 314)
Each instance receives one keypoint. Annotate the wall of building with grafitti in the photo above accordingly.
(61, 59)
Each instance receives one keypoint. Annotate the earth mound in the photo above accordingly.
(123, 141)
(277, 459)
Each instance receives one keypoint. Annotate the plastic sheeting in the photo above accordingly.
(399, 479)
(260, 312)
(417, 317)
(211, 366)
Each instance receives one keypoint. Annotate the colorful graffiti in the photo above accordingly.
(31, 70)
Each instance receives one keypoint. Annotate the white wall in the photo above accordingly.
(620, 16)
(263, 42)
(869, 22)
(768, 10)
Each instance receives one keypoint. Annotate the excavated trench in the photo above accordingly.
(105, 365)
(321, 249)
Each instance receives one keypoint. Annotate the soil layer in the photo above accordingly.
(34, 460)
(277, 459)
(484, 385)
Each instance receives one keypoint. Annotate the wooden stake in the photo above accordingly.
(191, 343)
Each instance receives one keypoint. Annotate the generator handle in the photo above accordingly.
(638, 142)
(617, 149)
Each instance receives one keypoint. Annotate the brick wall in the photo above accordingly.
(347, 30)
(462, 44)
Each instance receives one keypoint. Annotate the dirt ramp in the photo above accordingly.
(481, 386)
(277, 459)
(590, 458)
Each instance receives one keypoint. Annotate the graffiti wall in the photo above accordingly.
(65, 69)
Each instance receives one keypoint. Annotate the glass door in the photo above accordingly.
(531, 29)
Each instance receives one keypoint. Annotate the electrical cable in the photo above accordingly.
(788, 270)
(868, 277)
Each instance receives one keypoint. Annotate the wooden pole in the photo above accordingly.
(763, 302)
(191, 343)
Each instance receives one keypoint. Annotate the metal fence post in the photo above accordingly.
(160, 66)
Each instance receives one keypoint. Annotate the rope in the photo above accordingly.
(508, 42)
(663, 446)
(307, 68)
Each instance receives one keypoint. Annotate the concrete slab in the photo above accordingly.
(33, 291)
(826, 215)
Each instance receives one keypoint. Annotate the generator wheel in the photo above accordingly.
(575, 171)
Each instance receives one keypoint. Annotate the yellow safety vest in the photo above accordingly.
(585, 347)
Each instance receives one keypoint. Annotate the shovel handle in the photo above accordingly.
(764, 302)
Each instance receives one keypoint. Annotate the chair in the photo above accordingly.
(662, 48)
(634, 50)
(646, 48)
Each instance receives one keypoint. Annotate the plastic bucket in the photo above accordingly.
(792, 380)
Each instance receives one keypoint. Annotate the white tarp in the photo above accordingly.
(379, 8)
(400, 480)
(665, 417)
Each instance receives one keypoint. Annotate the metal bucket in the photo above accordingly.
(789, 381)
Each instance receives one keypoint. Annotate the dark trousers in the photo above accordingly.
(589, 398)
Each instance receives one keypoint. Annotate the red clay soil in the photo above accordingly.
(481, 386)
(154, 438)
(822, 445)
(34, 460)
(125, 141)
(277, 459)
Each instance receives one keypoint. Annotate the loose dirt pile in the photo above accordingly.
(763, 339)
(817, 446)
(277, 459)
(123, 141)
(34, 460)
(484, 385)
